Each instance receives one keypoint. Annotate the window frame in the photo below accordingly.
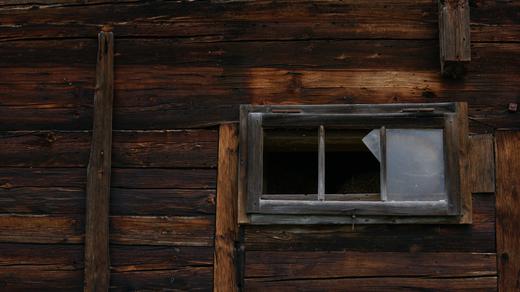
(451, 117)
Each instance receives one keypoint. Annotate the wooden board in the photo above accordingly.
(477, 237)
(392, 284)
(99, 170)
(507, 145)
(138, 178)
(226, 230)
(454, 37)
(352, 72)
(190, 148)
(243, 20)
(481, 163)
(313, 264)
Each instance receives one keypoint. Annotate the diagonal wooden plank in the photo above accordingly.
(98, 172)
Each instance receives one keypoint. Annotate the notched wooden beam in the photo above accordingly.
(454, 37)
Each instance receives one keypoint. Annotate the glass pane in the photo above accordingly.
(290, 161)
(350, 167)
(415, 165)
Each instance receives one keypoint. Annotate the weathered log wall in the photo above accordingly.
(184, 67)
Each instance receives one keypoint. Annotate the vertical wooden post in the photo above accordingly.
(98, 172)
(454, 37)
(507, 147)
(225, 279)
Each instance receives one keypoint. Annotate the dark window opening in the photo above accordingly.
(290, 162)
(350, 167)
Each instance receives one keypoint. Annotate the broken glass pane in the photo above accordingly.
(414, 163)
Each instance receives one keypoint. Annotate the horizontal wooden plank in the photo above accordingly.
(38, 200)
(240, 20)
(161, 178)
(42, 256)
(397, 284)
(41, 229)
(167, 148)
(315, 264)
(172, 202)
(41, 279)
(477, 237)
(127, 230)
(70, 200)
(150, 230)
(187, 279)
(206, 86)
(150, 258)
(140, 178)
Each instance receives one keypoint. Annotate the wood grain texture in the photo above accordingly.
(226, 230)
(132, 178)
(162, 230)
(477, 237)
(167, 148)
(454, 36)
(41, 267)
(163, 96)
(259, 20)
(99, 170)
(308, 265)
(125, 230)
(392, 284)
(482, 163)
(507, 145)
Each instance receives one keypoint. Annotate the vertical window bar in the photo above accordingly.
(382, 153)
(321, 164)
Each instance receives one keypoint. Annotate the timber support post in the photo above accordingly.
(226, 231)
(97, 262)
(454, 37)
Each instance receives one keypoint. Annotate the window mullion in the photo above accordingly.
(382, 141)
(321, 164)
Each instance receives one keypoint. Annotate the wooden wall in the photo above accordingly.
(182, 68)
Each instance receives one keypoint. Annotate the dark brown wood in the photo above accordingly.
(41, 267)
(481, 163)
(290, 265)
(236, 21)
(166, 148)
(41, 228)
(392, 284)
(255, 161)
(193, 278)
(454, 37)
(226, 230)
(507, 145)
(162, 230)
(98, 172)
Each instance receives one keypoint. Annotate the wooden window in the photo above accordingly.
(354, 163)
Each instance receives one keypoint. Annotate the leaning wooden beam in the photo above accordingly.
(454, 37)
(97, 271)
(507, 153)
(225, 279)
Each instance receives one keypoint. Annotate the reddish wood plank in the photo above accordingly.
(507, 145)
(226, 230)
(41, 229)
